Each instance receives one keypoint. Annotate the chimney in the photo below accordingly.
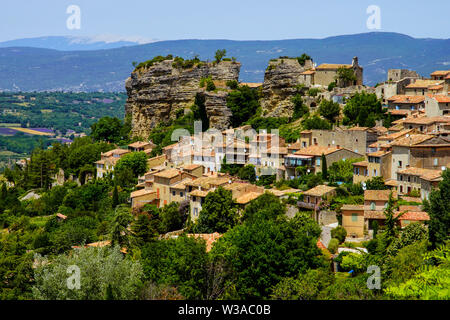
(355, 61)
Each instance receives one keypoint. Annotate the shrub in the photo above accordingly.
(232, 84)
(333, 245)
(313, 92)
(210, 86)
(339, 233)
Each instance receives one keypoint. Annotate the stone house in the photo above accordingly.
(437, 105)
(142, 197)
(432, 153)
(315, 198)
(412, 179)
(403, 105)
(326, 73)
(420, 87)
(108, 160)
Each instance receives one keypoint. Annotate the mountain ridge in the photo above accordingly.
(39, 69)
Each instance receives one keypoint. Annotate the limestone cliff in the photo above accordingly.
(157, 92)
(280, 84)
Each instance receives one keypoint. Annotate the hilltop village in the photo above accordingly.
(257, 188)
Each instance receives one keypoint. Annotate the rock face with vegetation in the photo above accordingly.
(158, 90)
(281, 83)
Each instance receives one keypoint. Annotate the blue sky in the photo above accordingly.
(231, 19)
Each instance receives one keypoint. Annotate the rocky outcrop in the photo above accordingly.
(280, 84)
(219, 114)
(156, 93)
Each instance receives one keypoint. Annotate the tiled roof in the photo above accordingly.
(199, 193)
(391, 183)
(190, 167)
(381, 195)
(139, 144)
(361, 164)
(413, 139)
(441, 98)
(246, 198)
(308, 72)
(422, 84)
(210, 238)
(317, 150)
(427, 120)
(406, 99)
(353, 207)
(140, 193)
(415, 216)
(378, 153)
(395, 135)
(319, 191)
(168, 173)
(426, 174)
(440, 73)
(115, 151)
(401, 112)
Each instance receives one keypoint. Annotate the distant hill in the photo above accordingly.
(72, 43)
(38, 69)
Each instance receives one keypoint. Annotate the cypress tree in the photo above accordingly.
(324, 168)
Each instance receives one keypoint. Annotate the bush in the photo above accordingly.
(232, 84)
(313, 92)
(333, 245)
(339, 233)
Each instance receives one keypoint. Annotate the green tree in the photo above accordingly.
(315, 122)
(329, 110)
(143, 231)
(262, 252)
(302, 59)
(120, 235)
(391, 219)
(339, 233)
(180, 262)
(247, 173)
(300, 109)
(218, 213)
(107, 129)
(438, 209)
(115, 197)
(324, 167)
(136, 161)
(346, 76)
(376, 183)
(362, 109)
(243, 103)
(220, 54)
(171, 217)
(99, 269)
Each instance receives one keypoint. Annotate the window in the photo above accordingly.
(435, 161)
(318, 162)
(181, 194)
(354, 217)
(399, 164)
(195, 212)
(173, 193)
(372, 206)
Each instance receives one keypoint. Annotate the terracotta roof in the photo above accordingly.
(413, 139)
(361, 164)
(395, 135)
(333, 66)
(353, 207)
(440, 73)
(426, 174)
(401, 112)
(115, 151)
(391, 183)
(210, 238)
(139, 144)
(208, 182)
(415, 216)
(199, 193)
(438, 87)
(246, 198)
(423, 84)
(319, 191)
(378, 153)
(320, 245)
(280, 193)
(140, 193)
(180, 185)
(382, 195)
(190, 167)
(426, 120)
(59, 215)
(357, 128)
(168, 173)
(308, 72)
(441, 98)
(406, 99)
(317, 150)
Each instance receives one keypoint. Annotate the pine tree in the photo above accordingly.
(115, 197)
(324, 167)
